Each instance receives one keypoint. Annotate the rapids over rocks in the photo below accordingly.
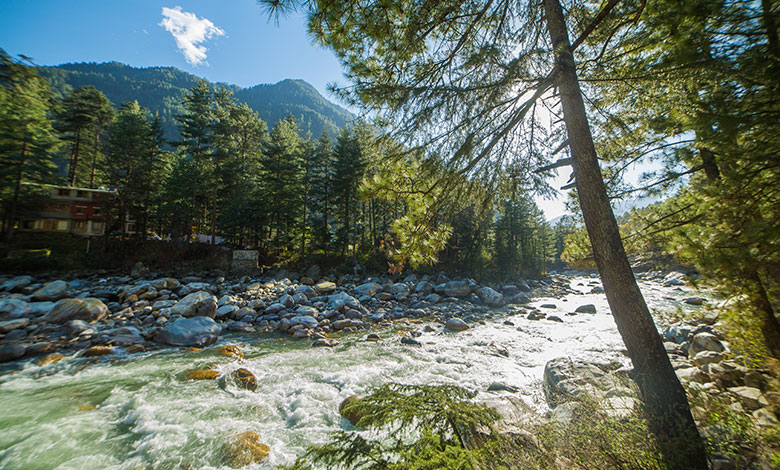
(132, 411)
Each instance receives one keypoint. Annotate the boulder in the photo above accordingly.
(457, 289)
(325, 342)
(400, 291)
(456, 324)
(587, 308)
(196, 304)
(14, 308)
(325, 287)
(244, 449)
(16, 284)
(96, 351)
(677, 333)
(126, 336)
(501, 387)
(368, 289)
(490, 297)
(9, 352)
(423, 287)
(564, 378)
(305, 320)
(230, 350)
(196, 331)
(88, 309)
(54, 290)
(751, 398)
(351, 415)
(6, 326)
(704, 342)
(202, 374)
(694, 300)
(245, 379)
(51, 358)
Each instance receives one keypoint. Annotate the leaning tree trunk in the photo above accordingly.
(665, 400)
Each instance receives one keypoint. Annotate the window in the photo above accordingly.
(80, 225)
(49, 225)
(63, 192)
(81, 210)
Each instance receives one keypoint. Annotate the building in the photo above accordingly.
(65, 209)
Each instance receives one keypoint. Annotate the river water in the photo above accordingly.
(138, 411)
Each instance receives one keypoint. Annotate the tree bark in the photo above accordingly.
(665, 401)
(74, 159)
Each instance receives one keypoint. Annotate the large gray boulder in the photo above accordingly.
(458, 288)
(456, 324)
(196, 332)
(704, 342)
(54, 290)
(197, 304)
(10, 325)
(490, 297)
(677, 333)
(565, 378)
(400, 291)
(17, 284)
(13, 308)
(89, 309)
(368, 289)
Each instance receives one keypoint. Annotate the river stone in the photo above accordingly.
(88, 309)
(9, 325)
(308, 291)
(325, 287)
(490, 297)
(51, 358)
(751, 398)
(564, 377)
(54, 290)
(17, 284)
(400, 291)
(587, 308)
(423, 287)
(96, 351)
(410, 341)
(202, 374)
(196, 331)
(456, 324)
(704, 342)
(9, 352)
(196, 304)
(13, 308)
(677, 333)
(126, 336)
(694, 300)
(245, 449)
(707, 357)
(245, 379)
(305, 320)
(457, 288)
(351, 415)
(325, 342)
(501, 387)
(368, 289)
(766, 418)
(225, 311)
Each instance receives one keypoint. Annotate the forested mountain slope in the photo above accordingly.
(161, 89)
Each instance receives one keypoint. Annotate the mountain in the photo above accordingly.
(161, 89)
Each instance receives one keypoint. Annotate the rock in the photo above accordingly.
(245, 449)
(9, 325)
(195, 331)
(587, 308)
(555, 318)
(501, 387)
(694, 300)
(245, 379)
(457, 289)
(9, 352)
(707, 357)
(704, 342)
(17, 284)
(564, 378)
(225, 311)
(126, 336)
(196, 304)
(597, 290)
(14, 308)
(96, 351)
(202, 374)
(325, 287)
(88, 309)
(51, 358)
(766, 419)
(677, 333)
(726, 372)
(368, 289)
(325, 342)
(161, 304)
(490, 297)
(423, 287)
(410, 341)
(341, 324)
(456, 324)
(229, 350)
(400, 291)
(751, 398)
(313, 272)
(550, 306)
(350, 414)
(135, 348)
(305, 320)
(54, 290)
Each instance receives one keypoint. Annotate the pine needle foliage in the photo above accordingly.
(409, 427)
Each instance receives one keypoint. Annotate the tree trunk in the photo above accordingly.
(74, 159)
(770, 327)
(664, 398)
(94, 160)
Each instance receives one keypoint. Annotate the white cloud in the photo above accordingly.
(189, 31)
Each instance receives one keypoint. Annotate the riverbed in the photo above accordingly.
(138, 411)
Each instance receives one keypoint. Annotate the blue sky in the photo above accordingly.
(243, 46)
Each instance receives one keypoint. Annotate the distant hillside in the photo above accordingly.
(161, 89)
